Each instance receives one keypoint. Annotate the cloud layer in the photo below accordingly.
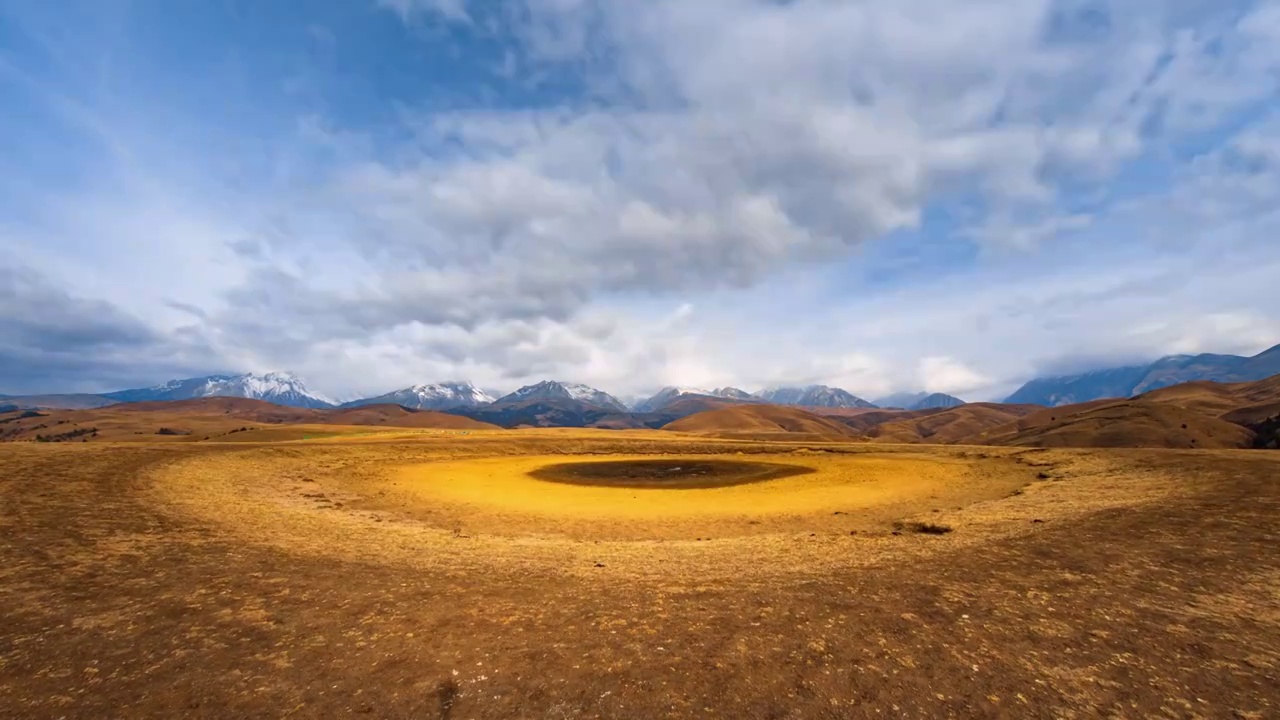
(938, 195)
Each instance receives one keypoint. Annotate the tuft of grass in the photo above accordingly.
(447, 693)
(924, 528)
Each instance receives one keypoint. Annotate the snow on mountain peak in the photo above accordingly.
(278, 386)
(283, 388)
(553, 389)
(431, 396)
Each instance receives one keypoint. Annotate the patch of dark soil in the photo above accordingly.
(667, 474)
(1268, 434)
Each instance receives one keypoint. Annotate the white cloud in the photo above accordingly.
(946, 375)
(720, 154)
(455, 10)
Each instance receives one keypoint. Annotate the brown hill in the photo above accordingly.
(761, 421)
(1131, 424)
(945, 426)
(865, 418)
(1192, 415)
(687, 405)
(399, 416)
(1039, 417)
(233, 407)
(209, 418)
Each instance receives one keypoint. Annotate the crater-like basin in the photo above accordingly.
(688, 474)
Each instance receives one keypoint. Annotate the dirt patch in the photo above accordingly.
(667, 474)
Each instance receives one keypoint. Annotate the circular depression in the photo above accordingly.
(394, 491)
(701, 474)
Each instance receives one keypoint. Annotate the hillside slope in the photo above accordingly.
(205, 418)
(1131, 424)
(946, 425)
(399, 416)
(1190, 415)
(761, 420)
(1129, 381)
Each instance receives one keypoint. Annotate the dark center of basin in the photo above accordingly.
(666, 474)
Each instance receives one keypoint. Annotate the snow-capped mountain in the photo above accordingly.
(632, 401)
(813, 396)
(665, 396)
(1132, 380)
(733, 393)
(937, 400)
(437, 396)
(901, 400)
(670, 394)
(281, 388)
(553, 390)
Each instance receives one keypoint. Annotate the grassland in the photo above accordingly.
(423, 573)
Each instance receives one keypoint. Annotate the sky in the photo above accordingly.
(908, 195)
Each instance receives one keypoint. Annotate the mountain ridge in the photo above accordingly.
(559, 390)
(433, 396)
(813, 396)
(279, 387)
(1132, 380)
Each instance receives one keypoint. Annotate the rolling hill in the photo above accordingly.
(1127, 424)
(400, 416)
(761, 421)
(1200, 414)
(559, 412)
(1189, 415)
(207, 418)
(944, 425)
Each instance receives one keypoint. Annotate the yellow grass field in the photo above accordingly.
(429, 573)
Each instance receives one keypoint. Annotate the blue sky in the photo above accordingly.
(916, 195)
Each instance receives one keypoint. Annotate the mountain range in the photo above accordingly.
(576, 404)
(813, 396)
(440, 396)
(1132, 380)
(281, 388)
(668, 395)
(918, 401)
(562, 391)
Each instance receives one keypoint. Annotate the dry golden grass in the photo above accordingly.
(952, 425)
(422, 573)
(407, 502)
